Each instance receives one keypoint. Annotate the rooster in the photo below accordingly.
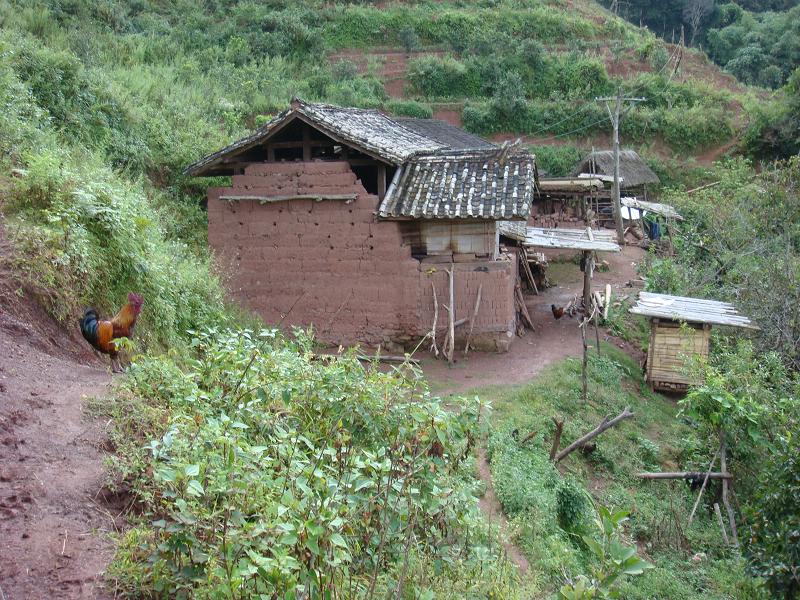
(101, 333)
(558, 312)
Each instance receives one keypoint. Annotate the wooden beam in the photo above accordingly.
(695, 475)
(607, 423)
(381, 181)
(301, 144)
(306, 143)
(265, 199)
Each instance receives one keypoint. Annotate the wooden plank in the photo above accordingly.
(266, 199)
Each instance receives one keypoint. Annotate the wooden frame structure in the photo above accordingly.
(587, 240)
(680, 327)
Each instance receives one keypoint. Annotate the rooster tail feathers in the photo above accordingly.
(89, 324)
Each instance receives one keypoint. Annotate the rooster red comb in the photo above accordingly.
(136, 299)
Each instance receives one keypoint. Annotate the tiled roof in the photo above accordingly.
(497, 183)
(369, 130)
(444, 133)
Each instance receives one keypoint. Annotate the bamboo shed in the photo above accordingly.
(671, 345)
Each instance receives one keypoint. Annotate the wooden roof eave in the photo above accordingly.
(689, 310)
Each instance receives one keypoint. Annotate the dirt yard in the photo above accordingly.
(54, 516)
(553, 339)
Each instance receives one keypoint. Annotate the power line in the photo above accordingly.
(589, 103)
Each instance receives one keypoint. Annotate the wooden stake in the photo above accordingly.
(582, 327)
(587, 279)
(723, 465)
(452, 317)
(703, 487)
(521, 305)
(474, 316)
(434, 348)
(606, 424)
(607, 302)
(721, 523)
(596, 313)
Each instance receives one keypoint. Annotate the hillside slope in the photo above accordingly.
(55, 513)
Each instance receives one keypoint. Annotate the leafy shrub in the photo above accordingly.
(572, 507)
(773, 548)
(89, 238)
(442, 78)
(615, 560)
(410, 108)
(277, 472)
(557, 161)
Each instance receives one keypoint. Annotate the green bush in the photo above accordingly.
(276, 472)
(446, 77)
(88, 238)
(410, 108)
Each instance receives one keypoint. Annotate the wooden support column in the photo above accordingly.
(270, 153)
(306, 143)
(588, 265)
(381, 181)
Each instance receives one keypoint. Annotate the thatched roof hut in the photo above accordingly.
(633, 171)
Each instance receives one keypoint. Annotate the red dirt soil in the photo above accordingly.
(54, 515)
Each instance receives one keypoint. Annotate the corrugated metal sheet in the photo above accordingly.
(665, 210)
(492, 184)
(690, 310)
(578, 239)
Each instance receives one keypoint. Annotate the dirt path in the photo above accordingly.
(553, 340)
(53, 514)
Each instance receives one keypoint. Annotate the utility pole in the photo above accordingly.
(615, 116)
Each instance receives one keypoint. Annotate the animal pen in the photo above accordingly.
(680, 328)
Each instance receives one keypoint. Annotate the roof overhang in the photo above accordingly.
(689, 310)
(368, 131)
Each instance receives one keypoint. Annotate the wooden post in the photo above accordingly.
(381, 181)
(587, 279)
(597, 328)
(434, 348)
(306, 143)
(721, 523)
(452, 316)
(723, 466)
(703, 487)
(474, 316)
(556, 437)
(582, 327)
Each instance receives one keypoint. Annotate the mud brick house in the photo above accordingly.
(347, 219)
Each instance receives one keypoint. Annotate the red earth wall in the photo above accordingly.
(332, 264)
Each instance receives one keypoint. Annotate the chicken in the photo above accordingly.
(101, 333)
(558, 312)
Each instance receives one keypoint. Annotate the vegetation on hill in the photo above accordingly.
(551, 506)
(757, 41)
(739, 243)
(264, 470)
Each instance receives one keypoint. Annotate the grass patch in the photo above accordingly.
(549, 506)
